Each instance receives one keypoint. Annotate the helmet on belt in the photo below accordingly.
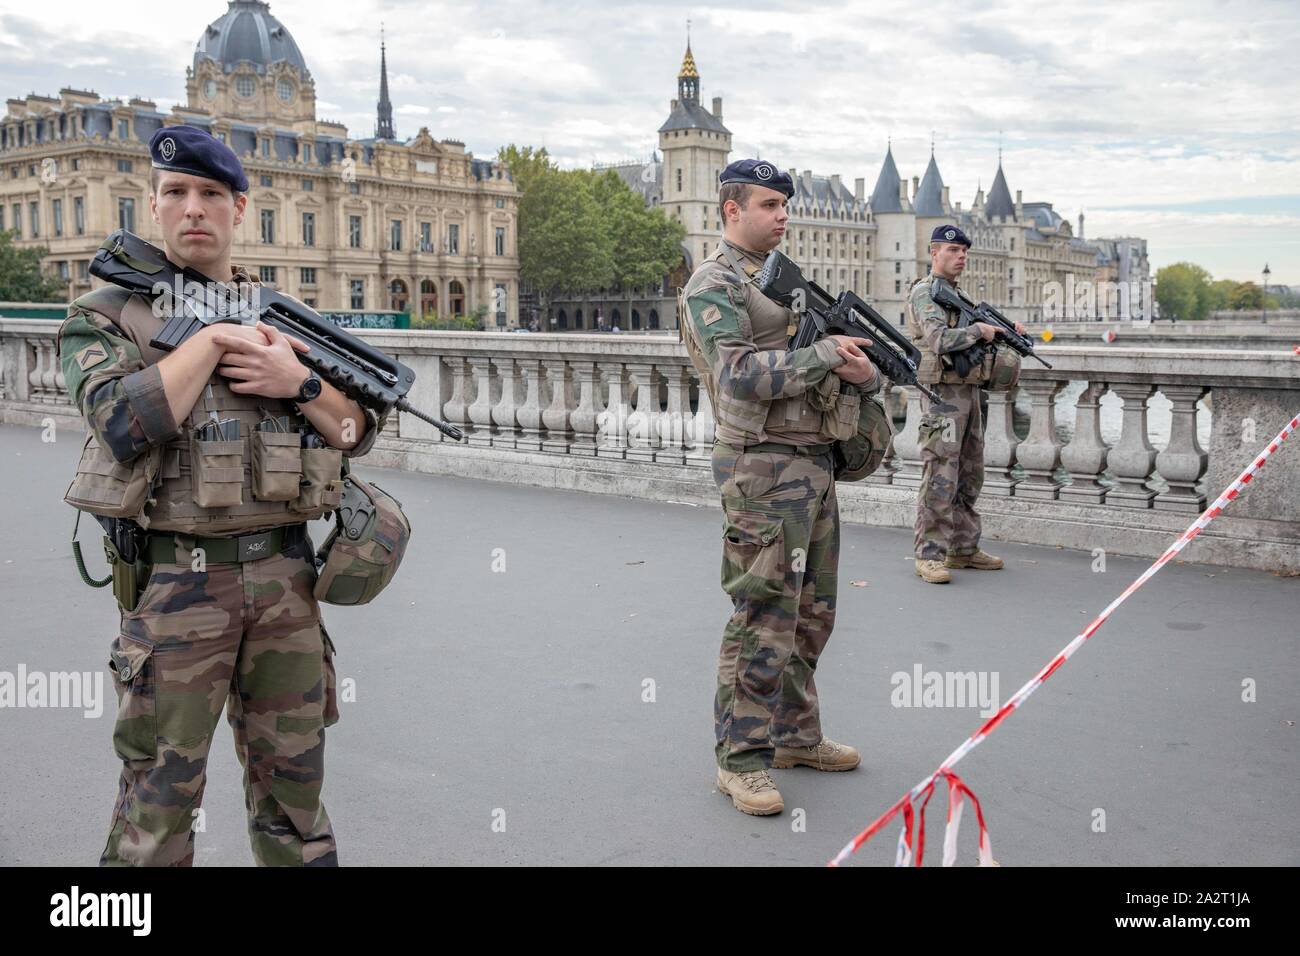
(859, 456)
(364, 549)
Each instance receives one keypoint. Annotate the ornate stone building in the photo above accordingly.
(341, 222)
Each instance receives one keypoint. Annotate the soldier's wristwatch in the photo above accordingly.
(309, 389)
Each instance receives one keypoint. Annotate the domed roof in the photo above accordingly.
(247, 31)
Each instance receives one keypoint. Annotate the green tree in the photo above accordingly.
(525, 164)
(1183, 291)
(562, 237)
(645, 243)
(1219, 294)
(1246, 295)
(21, 279)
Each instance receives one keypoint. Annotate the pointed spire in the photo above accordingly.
(384, 122)
(885, 198)
(999, 202)
(688, 77)
(929, 195)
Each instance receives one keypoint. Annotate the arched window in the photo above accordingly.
(562, 320)
(616, 317)
(428, 297)
(636, 319)
(577, 318)
(456, 293)
(654, 319)
(397, 295)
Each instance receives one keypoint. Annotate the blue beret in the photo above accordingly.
(949, 234)
(188, 149)
(757, 172)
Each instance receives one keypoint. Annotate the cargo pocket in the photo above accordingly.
(217, 472)
(929, 433)
(753, 555)
(277, 465)
(135, 735)
(321, 487)
(331, 681)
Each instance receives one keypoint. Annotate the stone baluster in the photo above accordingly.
(453, 413)
(1040, 453)
(612, 438)
(529, 414)
(556, 415)
(588, 411)
(1085, 456)
(503, 412)
(677, 418)
(642, 424)
(50, 373)
(1001, 445)
(907, 444)
(480, 413)
(1182, 464)
(703, 427)
(1132, 459)
(884, 475)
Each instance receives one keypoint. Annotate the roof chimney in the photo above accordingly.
(1080, 225)
(916, 185)
(859, 189)
(946, 203)
(717, 107)
(835, 185)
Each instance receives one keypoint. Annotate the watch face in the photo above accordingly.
(310, 389)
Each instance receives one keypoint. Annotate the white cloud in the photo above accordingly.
(410, 109)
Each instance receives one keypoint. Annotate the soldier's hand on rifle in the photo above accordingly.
(269, 367)
(857, 368)
(1020, 329)
(987, 332)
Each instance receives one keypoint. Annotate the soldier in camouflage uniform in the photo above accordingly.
(777, 413)
(952, 431)
(227, 615)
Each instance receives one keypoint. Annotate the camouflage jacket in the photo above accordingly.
(737, 339)
(113, 377)
(934, 330)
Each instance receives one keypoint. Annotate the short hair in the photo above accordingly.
(155, 174)
(739, 192)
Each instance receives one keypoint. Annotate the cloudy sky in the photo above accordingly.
(1177, 121)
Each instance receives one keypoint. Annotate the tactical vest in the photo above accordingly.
(261, 480)
(933, 370)
(811, 418)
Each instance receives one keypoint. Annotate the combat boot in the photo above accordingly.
(751, 791)
(932, 572)
(979, 561)
(827, 755)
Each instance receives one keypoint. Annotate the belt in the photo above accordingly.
(161, 548)
(780, 449)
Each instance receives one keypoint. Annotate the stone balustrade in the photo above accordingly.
(624, 414)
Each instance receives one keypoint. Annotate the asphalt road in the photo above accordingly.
(515, 697)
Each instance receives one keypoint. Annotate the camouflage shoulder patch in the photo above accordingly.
(92, 355)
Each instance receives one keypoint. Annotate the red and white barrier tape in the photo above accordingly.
(913, 831)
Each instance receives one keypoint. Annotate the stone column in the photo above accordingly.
(503, 412)
(1040, 452)
(642, 424)
(454, 411)
(884, 475)
(556, 415)
(611, 439)
(1001, 444)
(703, 427)
(907, 442)
(1182, 463)
(480, 413)
(1085, 456)
(588, 410)
(529, 414)
(1133, 458)
(676, 420)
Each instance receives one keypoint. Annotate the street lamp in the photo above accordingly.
(1263, 312)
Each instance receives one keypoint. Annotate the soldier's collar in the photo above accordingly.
(741, 259)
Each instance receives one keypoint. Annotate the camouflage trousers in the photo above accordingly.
(952, 473)
(780, 554)
(248, 636)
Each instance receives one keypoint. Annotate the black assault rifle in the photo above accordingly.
(191, 300)
(821, 315)
(968, 358)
